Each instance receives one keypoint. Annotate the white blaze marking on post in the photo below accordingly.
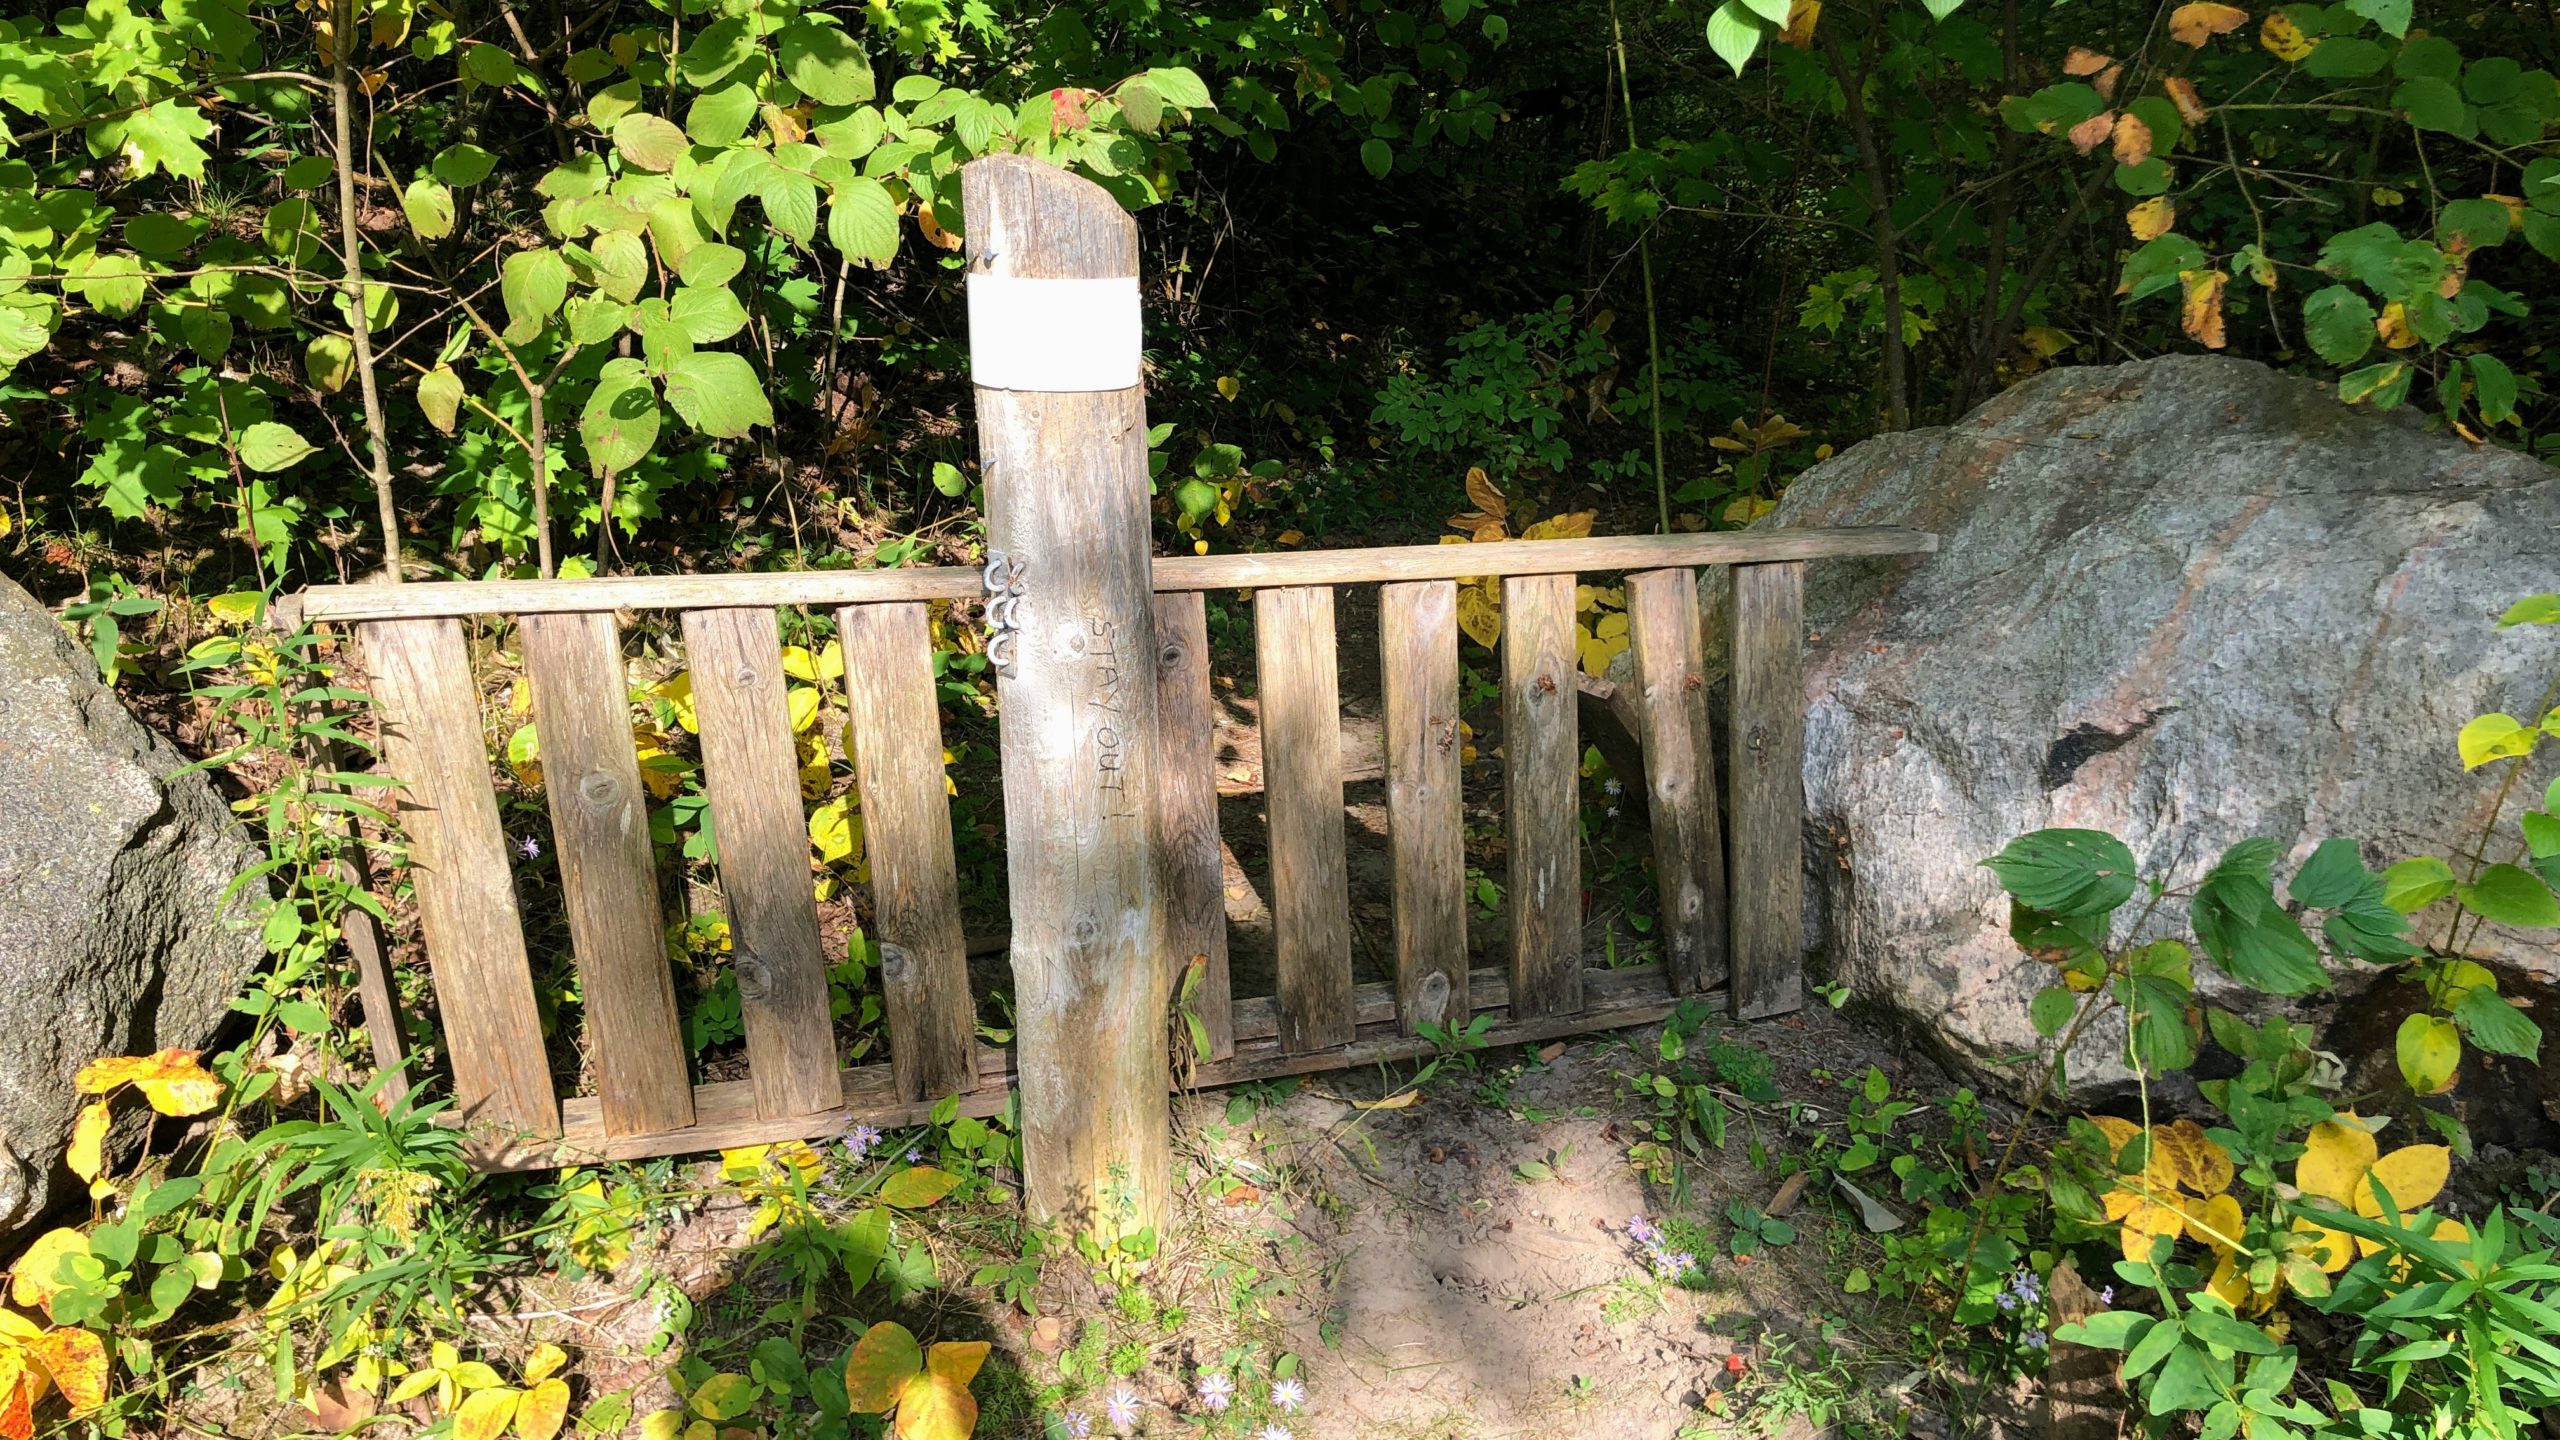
(1053, 335)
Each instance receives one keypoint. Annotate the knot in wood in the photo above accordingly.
(1170, 657)
(746, 675)
(755, 978)
(599, 788)
(1432, 1002)
(895, 962)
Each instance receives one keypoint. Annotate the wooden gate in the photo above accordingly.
(1730, 901)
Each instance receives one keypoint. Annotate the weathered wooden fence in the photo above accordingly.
(1730, 902)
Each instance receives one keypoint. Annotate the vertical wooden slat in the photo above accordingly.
(1191, 878)
(1665, 638)
(1302, 780)
(1766, 731)
(466, 895)
(1542, 773)
(608, 875)
(1426, 829)
(906, 835)
(751, 774)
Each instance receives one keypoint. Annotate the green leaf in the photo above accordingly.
(2384, 384)
(882, 1362)
(712, 264)
(2339, 322)
(164, 138)
(2413, 885)
(2052, 1009)
(621, 419)
(862, 222)
(2493, 1023)
(329, 361)
(2477, 223)
(2429, 57)
(2511, 895)
(725, 1397)
(721, 117)
(207, 330)
(2391, 15)
(790, 203)
(2229, 1332)
(651, 142)
(2346, 57)
(161, 236)
(707, 313)
(2532, 610)
(440, 396)
(718, 394)
(1733, 32)
(2066, 872)
(2107, 1330)
(825, 63)
(717, 49)
(1377, 157)
(2155, 267)
(2433, 104)
(2493, 388)
(2245, 932)
(2332, 877)
(533, 283)
(1773, 11)
(429, 206)
(594, 319)
(135, 476)
(2151, 177)
(271, 445)
(308, 172)
(2429, 1051)
(463, 166)
(948, 479)
(1180, 87)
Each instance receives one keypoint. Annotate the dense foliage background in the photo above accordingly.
(653, 290)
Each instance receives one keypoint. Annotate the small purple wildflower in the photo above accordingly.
(2107, 1295)
(529, 848)
(2035, 1339)
(1120, 1408)
(2024, 1285)
(1274, 1432)
(1217, 1390)
(1287, 1395)
(2005, 1300)
(1642, 1231)
(914, 1154)
(1077, 1424)
(860, 1139)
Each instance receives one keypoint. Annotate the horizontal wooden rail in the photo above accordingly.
(1172, 572)
(726, 1114)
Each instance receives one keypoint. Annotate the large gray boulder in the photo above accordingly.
(115, 934)
(2188, 601)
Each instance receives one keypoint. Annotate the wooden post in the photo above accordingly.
(1766, 730)
(1293, 646)
(1542, 780)
(1065, 465)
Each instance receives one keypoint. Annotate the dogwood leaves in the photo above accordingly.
(928, 1390)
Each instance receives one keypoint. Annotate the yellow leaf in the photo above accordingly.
(87, 1155)
(1573, 525)
(544, 1407)
(485, 1414)
(2284, 39)
(21, 1386)
(2133, 140)
(2183, 1155)
(2336, 1155)
(2147, 1220)
(956, 1360)
(2194, 24)
(2182, 93)
(547, 1358)
(2201, 317)
(1481, 492)
(2393, 326)
(934, 1407)
(2152, 218)
(676, 693)
(413, 1385)
(662, 1425)
(237, 608)
(524, 756)
(31, 1280)
(827, 664)
(2083, 61)
(2429, 1050)
(2119, 1132)
(2217, 1222)
(1479, 617)
(2414, 1174)
(1402, 1099)
(817, 772)
(883, 1363)
(1802, 16)
(76, 1361)
(835, 830)
(1227, 387)
(804, 708)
